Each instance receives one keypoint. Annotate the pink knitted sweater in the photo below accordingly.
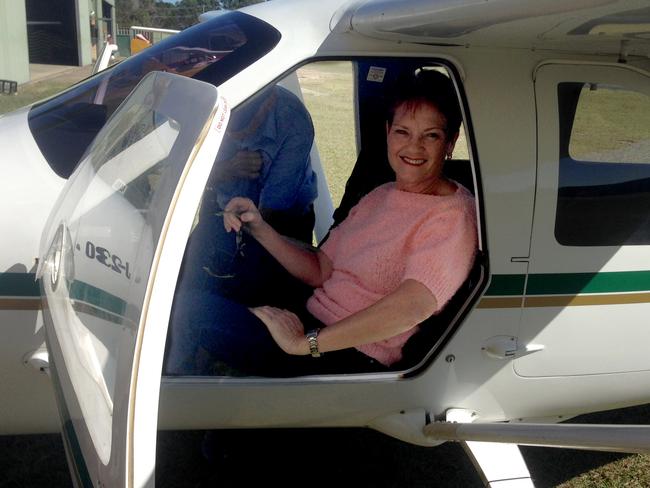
(391, 236)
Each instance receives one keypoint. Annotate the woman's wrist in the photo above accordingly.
(301, 346)
(298, 345)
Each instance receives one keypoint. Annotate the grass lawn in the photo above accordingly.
(30, 94)
(603, 128)
(328, 93)
(39, 90)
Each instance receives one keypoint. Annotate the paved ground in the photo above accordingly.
(40, 72)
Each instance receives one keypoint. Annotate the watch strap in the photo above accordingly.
(312, 339)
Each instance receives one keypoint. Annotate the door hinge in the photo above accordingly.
(38, 359)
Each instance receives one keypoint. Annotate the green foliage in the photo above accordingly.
(166, 15)
(235, 4)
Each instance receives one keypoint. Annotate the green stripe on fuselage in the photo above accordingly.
(569, 283)
(581, 283)
(15, 286)
(19, 285)
(506, 285)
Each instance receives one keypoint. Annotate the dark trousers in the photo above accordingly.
(222, 337)
(237, 266)
(212, 330)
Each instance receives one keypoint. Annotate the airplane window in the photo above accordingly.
(604, 180)
(212, 51)
(328, 91)
(611, 124)
(338, 107)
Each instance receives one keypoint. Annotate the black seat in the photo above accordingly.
(433, 331)
(372, 170)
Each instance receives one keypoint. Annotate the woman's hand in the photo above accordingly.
(285, 328)
(240, 212)
(309, 267)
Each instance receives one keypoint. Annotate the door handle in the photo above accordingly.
(507, 347)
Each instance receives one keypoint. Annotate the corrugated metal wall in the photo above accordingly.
(52, 32)
(14, 57)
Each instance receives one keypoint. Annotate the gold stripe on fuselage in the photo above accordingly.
(485, 302)
(564, 300)
(582, 300)
(14, 303)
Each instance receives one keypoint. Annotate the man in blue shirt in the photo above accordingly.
(265, 156)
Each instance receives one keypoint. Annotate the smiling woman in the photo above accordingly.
(422, 129)
(397, 259)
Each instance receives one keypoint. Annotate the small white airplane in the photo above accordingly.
(107, 178)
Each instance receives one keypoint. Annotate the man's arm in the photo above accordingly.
(309, 265)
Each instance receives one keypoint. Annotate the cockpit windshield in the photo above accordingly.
(212, 51)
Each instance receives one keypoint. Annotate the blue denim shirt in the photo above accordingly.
(277, 125)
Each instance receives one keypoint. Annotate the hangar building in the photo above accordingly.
(64, 32)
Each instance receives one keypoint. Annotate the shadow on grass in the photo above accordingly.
(551, 467)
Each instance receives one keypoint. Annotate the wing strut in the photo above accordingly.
(593, 437)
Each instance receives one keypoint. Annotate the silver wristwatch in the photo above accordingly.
(312, 338)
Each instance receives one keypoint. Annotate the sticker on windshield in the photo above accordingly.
(376, 74)
(223, 118)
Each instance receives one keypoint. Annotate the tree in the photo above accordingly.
(235, 4)
(129, 14)
(166, 15)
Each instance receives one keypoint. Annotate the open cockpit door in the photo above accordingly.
(110, 256)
